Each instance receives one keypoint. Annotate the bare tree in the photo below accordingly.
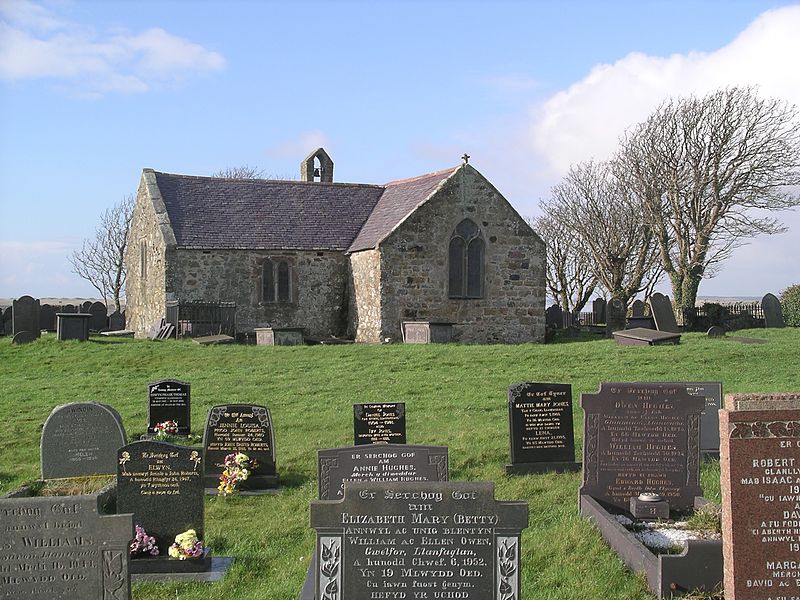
(101, 259)
(241, 172)
(570, 279)
(706, 170)
(607, 232)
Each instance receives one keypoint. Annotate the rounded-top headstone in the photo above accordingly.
(24, 337)
(80, 439)
(773, 312)
(716, 331)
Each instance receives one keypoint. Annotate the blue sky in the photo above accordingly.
(92, 92)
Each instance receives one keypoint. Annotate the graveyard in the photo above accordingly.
(452, 399)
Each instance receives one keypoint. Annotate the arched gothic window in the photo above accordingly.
(466, 261)
(276, 281)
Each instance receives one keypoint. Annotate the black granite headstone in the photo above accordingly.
(81, 439)
(417, 540)
(25, 315)
(639, 438)
(389, 462)
(60, 548)
(169, 400)
(242, 428)
(379, 423)
(162, 485)
(711, 392)
(540, 428)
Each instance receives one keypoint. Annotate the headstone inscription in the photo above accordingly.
(162, 485)
(389, 462)
(60, 548)
(711, 392)
(99, 319)
(169, 400)
(663, 315)
(616, 312)
(379, 423)
(773, 312)
(418, 540)
(540, 428)
(640, 438)
(81, 439)
(25, 315)
(242, 428)
(760, 477)
(599, 311)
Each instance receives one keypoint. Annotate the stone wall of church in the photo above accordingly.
(319, 287)
(365, 296)
(414, 267)
(146, 259)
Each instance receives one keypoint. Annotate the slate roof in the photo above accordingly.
(400, 199)
(211, 212)
(259, 214)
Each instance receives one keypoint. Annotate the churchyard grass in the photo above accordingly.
(455, 395)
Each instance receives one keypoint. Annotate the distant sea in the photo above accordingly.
(726, 299)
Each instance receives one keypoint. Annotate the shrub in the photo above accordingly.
(790, 303)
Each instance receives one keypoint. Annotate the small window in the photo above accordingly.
(143, 259)
(276, 281)
(465, 260)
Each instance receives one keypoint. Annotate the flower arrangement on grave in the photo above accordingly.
(237, 469)
(186, 546)
(143, 543)
(165, 429)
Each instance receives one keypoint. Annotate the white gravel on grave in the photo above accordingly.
(658, 535)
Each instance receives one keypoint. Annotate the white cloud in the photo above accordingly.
(301, 145)
(35, 45)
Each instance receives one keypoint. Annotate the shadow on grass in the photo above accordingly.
(566, 337)
(292, 479)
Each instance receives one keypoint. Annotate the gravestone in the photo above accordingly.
(641, 437)
(540, 428)
(169, 400)
(387, 463)
(642, 336)
(8, 320)
(60, 548)
(162, 485)
(86, 306)
(25, 337)
(47, 318)
(379, 423)
(637, 308)
(760, 480)
(709, 417)
(99, 319)
(599, 311)
(616, 313)
(25, 316)
(773, 313)
(554, 317)
(663, 315)
(417, 540)
(81, 439)
(242, 428)
(715, 331)
(69, 308)
(72, 326)
(116, 321)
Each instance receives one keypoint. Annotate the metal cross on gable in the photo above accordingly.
(465, 158)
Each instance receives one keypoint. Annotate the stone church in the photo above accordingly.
(338, 259)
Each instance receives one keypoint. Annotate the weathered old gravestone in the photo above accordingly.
(72, 326)
(81, 439)
(169, 400)
(25, 316)
(540, 428)
(773, 313)
(60, 548)
(616, 312)
(389, 462)
(379, 423)
(116, 321)
(417, 540)
(554, 317)
(709, 417)
(641, 437)
(8, 320)
(637, 308)
(760, 477)
(162, 485)
(85, 306)
(663, 315)
(47, 318)
(99, 319)
(599, 311)
(240, 428)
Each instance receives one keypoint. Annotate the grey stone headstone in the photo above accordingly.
(25, 315)
(60, 548)
(459, 526)
(47, 318)
(716, 331)
(773, 312)
(388, 462)
(86, 306)
(81, 439)
(69, 308)
(162, 485)
(554, 317)
(116, 321)
(637, 308)
(99, 319)
(599, 310)
(7, 320)
(711, 392)
(616, 313)
(25, 337)
(641, 437)
(663, 314)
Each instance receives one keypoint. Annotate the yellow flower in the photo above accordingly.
(174, 552)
